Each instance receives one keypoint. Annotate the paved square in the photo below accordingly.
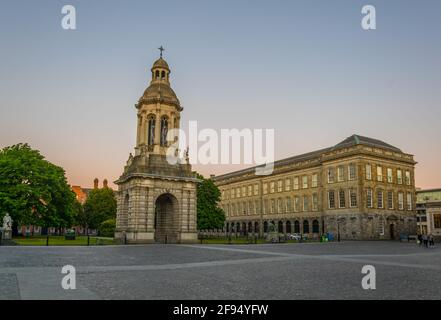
(269, 271)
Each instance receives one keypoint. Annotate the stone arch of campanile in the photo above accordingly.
(166, 220)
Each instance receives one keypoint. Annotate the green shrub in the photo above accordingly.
(107, 228)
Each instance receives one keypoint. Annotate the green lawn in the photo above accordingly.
(60, 241)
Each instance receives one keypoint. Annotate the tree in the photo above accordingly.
(33, 190)
(107, 228)
(79, 215)
(99, 207)
(209, 214)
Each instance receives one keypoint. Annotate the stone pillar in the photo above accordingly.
(143, 130)
(158, 129)
(139, 209)
(192, 208)
(150, 208)
(138, 130)
(121, 215)
(185, 202)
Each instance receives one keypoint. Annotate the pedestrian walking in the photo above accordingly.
(431, 240)
(425, 240)
(420, 239)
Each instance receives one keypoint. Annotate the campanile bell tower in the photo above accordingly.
(159, 110)
(156, 199)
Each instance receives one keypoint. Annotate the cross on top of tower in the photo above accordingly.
(161, 49)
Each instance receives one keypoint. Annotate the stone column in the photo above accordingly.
(138, 130)
(120, 212)
(139, 209)
(150, 208)
(158, 128)
(192, 211)
(185, 210)
(143, 130)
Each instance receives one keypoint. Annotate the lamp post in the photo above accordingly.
(338, 229)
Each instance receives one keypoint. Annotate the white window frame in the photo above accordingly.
(352, 172)
(329, 199)
(340, 173)
(379, 173)
(304, 182)
(407, 177)
(409, 201)
(296, 203)
(330, 175)
(305, 207)
(391, 207)
(369, 172)
(296, 183)
(369, 198)
(390, 175)
(400, 201)
(380, 192)
(340, 198)
(314, 180)
(399, 176)
(287, 184)
(314, 201)
(352, 193)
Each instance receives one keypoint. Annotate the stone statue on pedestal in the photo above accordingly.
(7, 227)
(7, 222)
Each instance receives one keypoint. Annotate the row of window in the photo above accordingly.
(280, 205)
(384, 199)
(390, 176)
(338, 174)
(280, 185)
(333, 202)
(250, 227)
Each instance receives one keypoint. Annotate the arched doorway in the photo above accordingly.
(288, 226)
(280, 227)
(296, 226)
(315, 226)
(305, 226)
(392, 231)
(166, 219)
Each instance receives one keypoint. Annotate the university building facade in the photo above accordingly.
(361, 188)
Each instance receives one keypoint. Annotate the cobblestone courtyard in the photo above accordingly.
(268, 271)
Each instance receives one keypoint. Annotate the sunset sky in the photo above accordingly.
(304, 68)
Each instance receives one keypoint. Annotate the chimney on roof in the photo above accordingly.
(95, 183)
(105, 183)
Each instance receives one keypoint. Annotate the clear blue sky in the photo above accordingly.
(304, 68)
